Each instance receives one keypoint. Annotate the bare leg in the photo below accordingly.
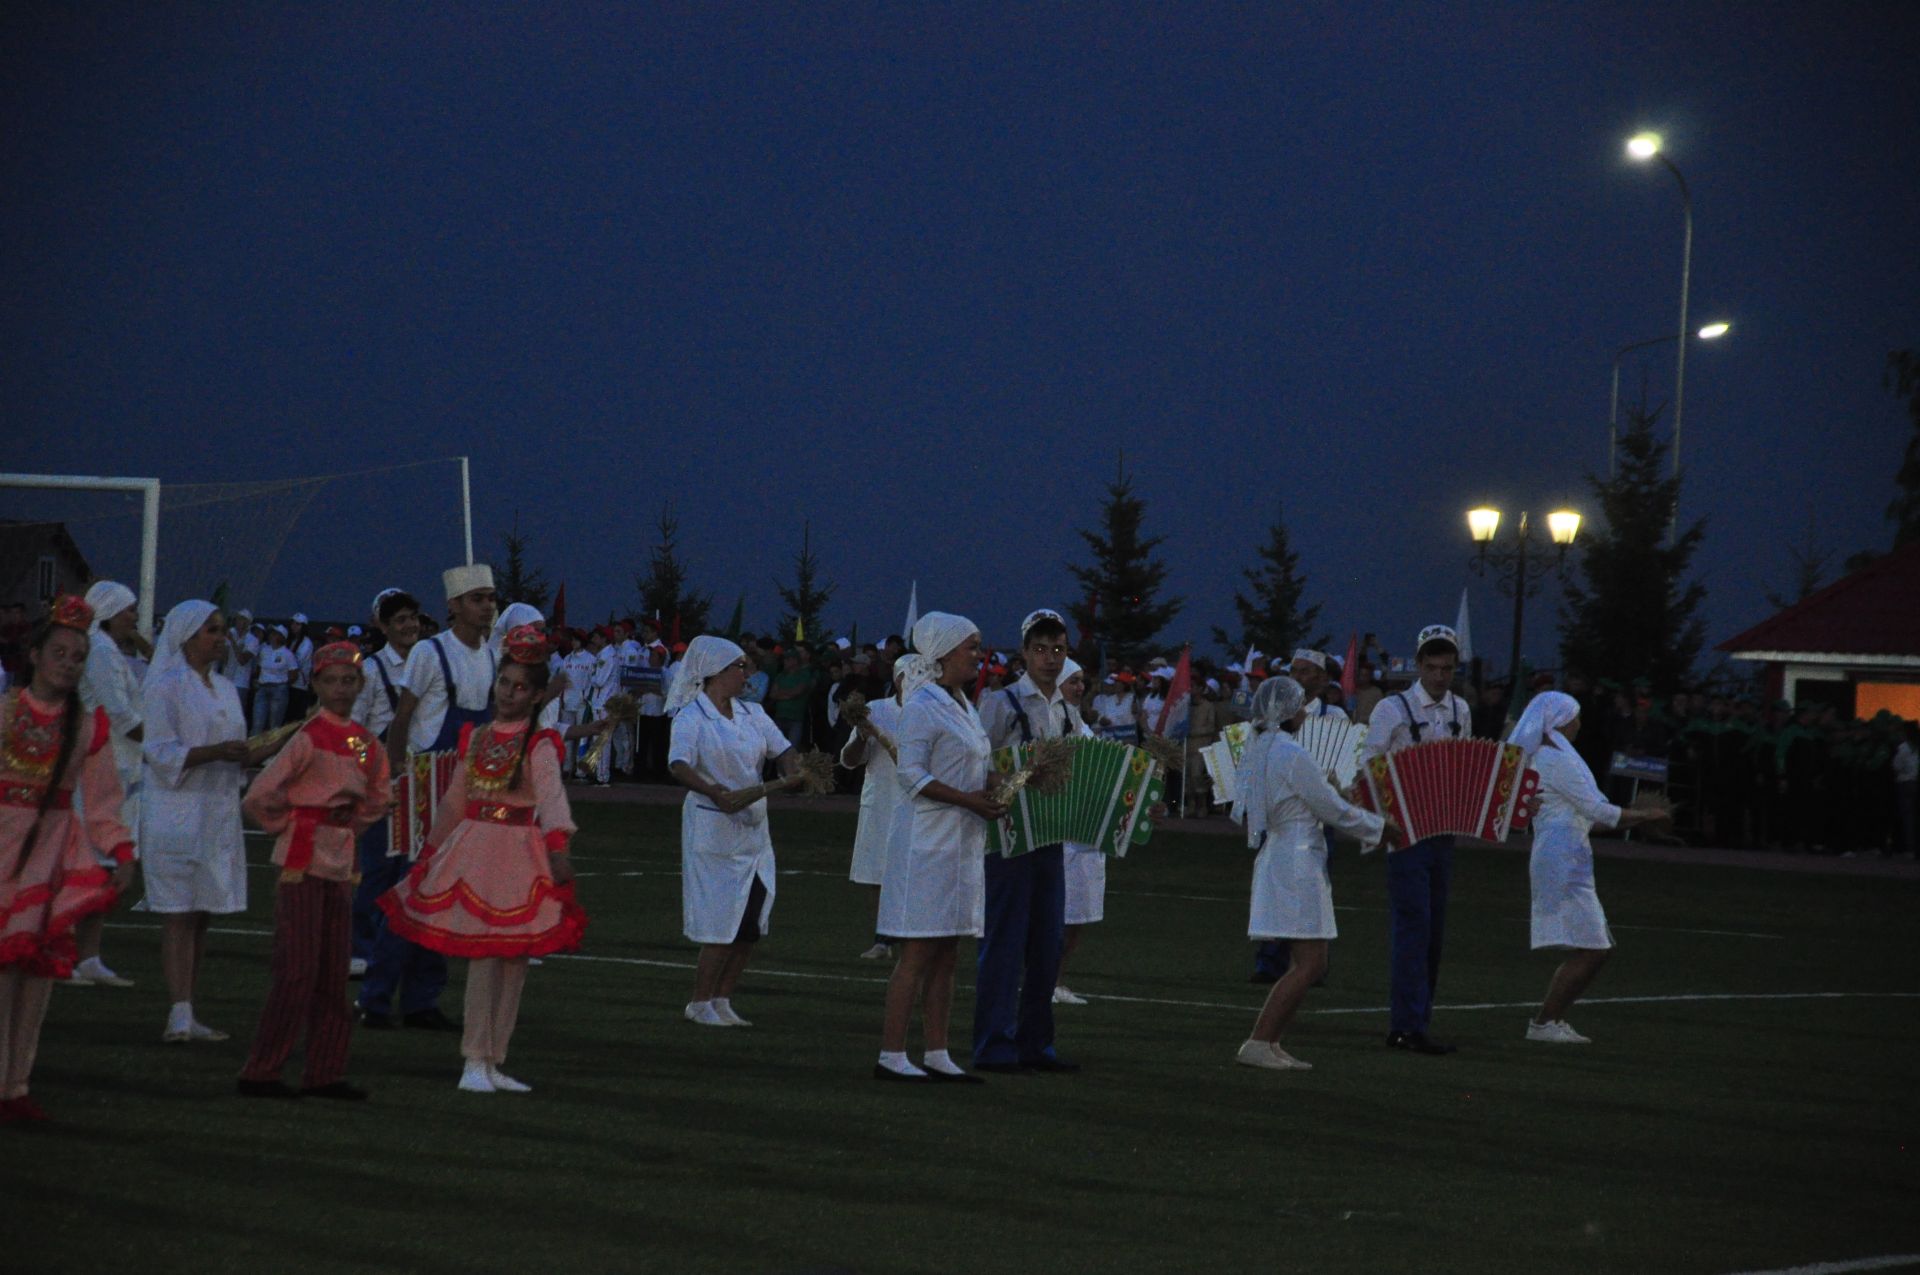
(706, 974)
(903, 990)
(1283, 1001)
(510, 982)
(477, 1039)
(737, 957)
(1569, 981)
(201, 922)
(937, 1002)
(1067, 947)
(10, 980)
(179, 937)
(86, 935)
(29, 1011)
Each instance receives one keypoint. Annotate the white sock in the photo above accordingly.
(180, 1017)
(897, 1062)
(938, 1060)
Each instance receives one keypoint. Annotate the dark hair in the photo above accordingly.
(538, 675)
(69, 741)
(1045, 627)
(394, 603)
(1436, 646)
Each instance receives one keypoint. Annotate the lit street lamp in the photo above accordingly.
(1514, 572)
(1712, 332)
(1642, 148)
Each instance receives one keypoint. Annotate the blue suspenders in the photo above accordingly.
(1414, 724)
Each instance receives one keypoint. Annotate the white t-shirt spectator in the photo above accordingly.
(277, 665)
(473, 669)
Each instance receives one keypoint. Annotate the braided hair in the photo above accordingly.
(539, 675)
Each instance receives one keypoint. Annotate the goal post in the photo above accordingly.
(149, 488)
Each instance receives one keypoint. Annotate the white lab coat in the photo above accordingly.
(1566, 908)
(879, 794)
(722, 854)
(192, 856)
(110, 682)
(935, 880)
(1292, 898)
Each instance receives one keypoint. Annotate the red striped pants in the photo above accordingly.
(312, 942)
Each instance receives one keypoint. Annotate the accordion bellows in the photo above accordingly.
(1336, 746)
(1103, 804)
(1451, 787)
(417, 790)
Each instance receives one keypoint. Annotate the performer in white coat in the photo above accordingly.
(196, 757)
(935, 885)
(1285, 798)
(720, 742)
(1085, 867)
(1566, 910)
(109, 682)
(873, 745)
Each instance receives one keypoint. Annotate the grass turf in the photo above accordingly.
(1693, 1135)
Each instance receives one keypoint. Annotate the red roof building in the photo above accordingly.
(1854, 644)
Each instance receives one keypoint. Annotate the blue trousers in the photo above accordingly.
(1417, 882)
(393, 963)
(1026, 926)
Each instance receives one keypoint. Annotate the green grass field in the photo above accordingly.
(1694, 1135)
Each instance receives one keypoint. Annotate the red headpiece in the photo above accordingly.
(71, 612)
(527, 644)
(336, 653)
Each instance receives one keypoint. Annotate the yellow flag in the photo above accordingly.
(799, 629)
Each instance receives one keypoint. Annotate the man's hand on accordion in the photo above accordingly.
(1393, 836)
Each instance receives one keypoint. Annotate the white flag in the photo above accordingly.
(1463, 631)
(913, 612)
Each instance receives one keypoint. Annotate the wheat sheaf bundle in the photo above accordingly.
(1166, 752)
(815, 777)
(1049, 768)
(1658, 803)
(619, 709)
(855, 708)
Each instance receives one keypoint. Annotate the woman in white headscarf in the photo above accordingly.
(196, 755)
(720, 744)
(1084, 867)
(1285, 798)
(1566, 909)
(110, 683)
(934, 890)
(873, 744)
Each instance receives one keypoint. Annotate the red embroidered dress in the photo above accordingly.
(49, 886)
(484, 885)
(318, 794)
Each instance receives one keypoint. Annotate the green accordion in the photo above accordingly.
(1103, 804)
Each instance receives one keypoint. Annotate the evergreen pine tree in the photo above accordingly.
(1628, 611)
(664, 590)
(517, 580)
(807, 597)
(1903, 378)
(1122, 610)
(1272, 618)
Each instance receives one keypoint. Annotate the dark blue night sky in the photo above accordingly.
(918, 274)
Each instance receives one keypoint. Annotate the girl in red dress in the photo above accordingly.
(494, 884)
(50, 877)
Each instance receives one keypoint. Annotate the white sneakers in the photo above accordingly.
(1556, 1033)
(703, 1013)
(504, 1083)
(1067, 996)
(1259, 1053)
(182, 1027)
(93, 972)
(878, 952)
(477, 1078)
(724, 1007)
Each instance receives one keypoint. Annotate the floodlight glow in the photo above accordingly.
(1482, 523)
(1644, 145)
(1563, 525)
(1713, 330)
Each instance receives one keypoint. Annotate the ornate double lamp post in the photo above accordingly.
(1516, 571)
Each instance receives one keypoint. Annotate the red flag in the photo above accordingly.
(558, 620)
(1349, 670)
(1179, 692)
(980, 682)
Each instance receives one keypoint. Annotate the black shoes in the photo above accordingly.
(955, 1078)
(376, 1022)
(888, 1073)
(264, 1089)
(1416, 1043)
(431, 1019)
(339, 1089)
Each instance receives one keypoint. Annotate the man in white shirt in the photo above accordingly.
(605, 684)
(397, 615)
(1019, 954)
(579, 666)
(449, 686)
(1418, 877)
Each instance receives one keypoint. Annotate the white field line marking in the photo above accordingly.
(1841, 1268)
(1237, 1008)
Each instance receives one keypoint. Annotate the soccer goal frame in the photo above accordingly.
(149, 488)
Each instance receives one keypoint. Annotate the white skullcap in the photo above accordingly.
(1316, 658)
(1071, 669)
(460, 581)
(382, 596)
(843, 644)
(935, 635)
(1540, 724)
(1437, 633)
(108, 599)
(1033, 618)
(706, 655)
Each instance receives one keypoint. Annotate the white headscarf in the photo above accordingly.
(186, 619)
(706, 655)
(1540, 723)
(108, 600)
(1067, 670)
(1276, 703)
(513, 617)
(935, 635)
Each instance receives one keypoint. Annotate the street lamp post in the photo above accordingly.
(1711, 332)
(1643, 147)
(1515, 572)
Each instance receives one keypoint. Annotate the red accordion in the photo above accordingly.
(1460, 787)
